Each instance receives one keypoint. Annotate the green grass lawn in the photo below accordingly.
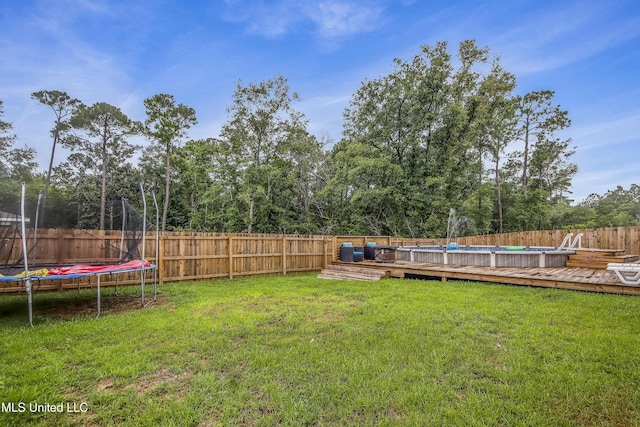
(297, 350)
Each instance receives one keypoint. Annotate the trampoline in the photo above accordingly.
(79, 271)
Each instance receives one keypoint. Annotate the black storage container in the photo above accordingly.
(346, 253)
(370, 252)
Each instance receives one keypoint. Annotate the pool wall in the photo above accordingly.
(486, 257)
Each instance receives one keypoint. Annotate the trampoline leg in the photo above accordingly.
(98, 315)
(155, 290)
(28, 285)
(142, 284)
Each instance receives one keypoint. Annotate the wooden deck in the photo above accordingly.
(579, 279)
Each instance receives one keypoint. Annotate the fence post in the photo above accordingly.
(324, 252)
(230, 257)
(160, 261)
(284, 255)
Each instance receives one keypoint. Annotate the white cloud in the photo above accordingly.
(337, 18)
(331, 18)
(327, 101)
(612, 133)
(270, 20)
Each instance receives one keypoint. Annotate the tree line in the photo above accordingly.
(438, 134)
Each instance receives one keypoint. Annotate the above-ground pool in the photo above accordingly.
(486, 256)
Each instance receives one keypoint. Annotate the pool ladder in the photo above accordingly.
(568, 244)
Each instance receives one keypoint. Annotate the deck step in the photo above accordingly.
(598, 261)
(356, 269)
(585, 264)
(347, 272)
(598, 258)
(599, 252)
(347, 276)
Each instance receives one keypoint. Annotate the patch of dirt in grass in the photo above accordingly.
(395, 413)
(331, 316)
(105, 385)
(161, 378)
(149, 383)
(111, 304)
(328, 316)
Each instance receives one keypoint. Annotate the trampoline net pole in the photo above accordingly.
(122, 232)
(155, 270)
(144, 235)
(124, 222)
(27, 275)
(35, 228)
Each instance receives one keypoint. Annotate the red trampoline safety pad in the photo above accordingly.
(85, 269)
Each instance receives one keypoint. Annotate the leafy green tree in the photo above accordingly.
(337, 209)
(101, 133)
(304, 158)
(565, 216)
(195, 164)
(63, 107)
(550, 168)
(615, 208)
(495, 110)
(538, 122)
(541, 170)
(76, 184)
(166, 125)
(77, 178)
(409, 142)
(416, 142)
(264, 140)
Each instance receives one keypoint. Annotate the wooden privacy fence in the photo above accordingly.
(181, 256)
(198, 256)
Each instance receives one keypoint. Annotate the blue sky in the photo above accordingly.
(122, 52)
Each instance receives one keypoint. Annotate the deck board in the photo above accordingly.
(582, 279)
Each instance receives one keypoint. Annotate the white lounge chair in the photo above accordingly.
(628, 273)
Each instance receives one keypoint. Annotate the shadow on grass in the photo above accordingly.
(69, 304)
